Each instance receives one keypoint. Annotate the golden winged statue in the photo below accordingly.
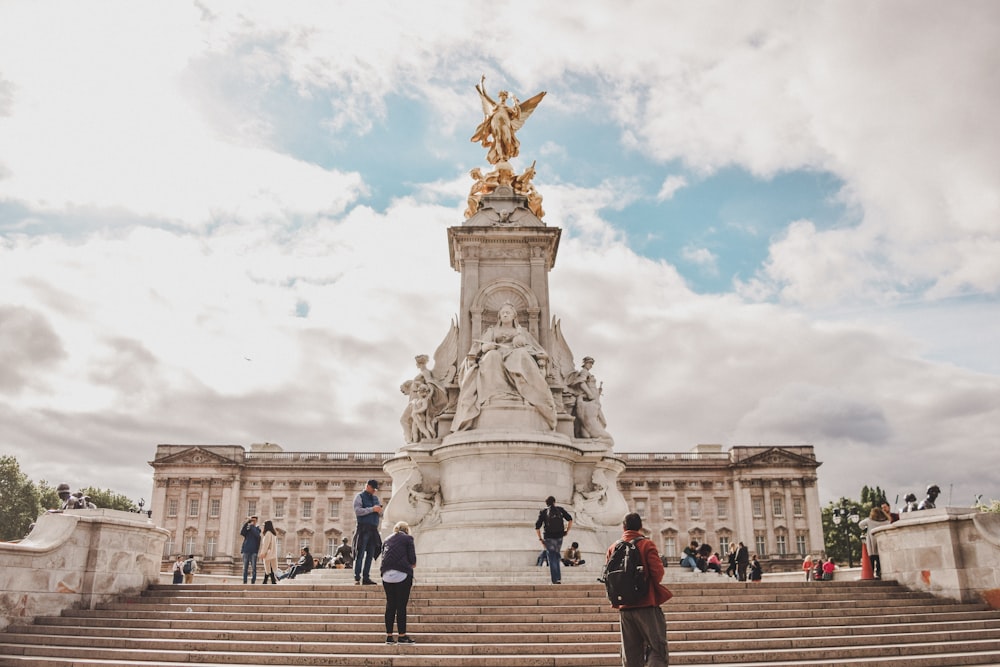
(498, 131)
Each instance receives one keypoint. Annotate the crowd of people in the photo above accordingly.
(643, 625)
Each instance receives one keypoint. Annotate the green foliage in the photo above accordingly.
(843, 541)
(47, 496)
(108, 499)
(994, 506)
(19, 502)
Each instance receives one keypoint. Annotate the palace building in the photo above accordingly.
(764, 496)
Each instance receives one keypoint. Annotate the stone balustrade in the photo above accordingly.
(78, 559)
(948, 552)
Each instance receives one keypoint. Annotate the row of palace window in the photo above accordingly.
(278, 508)
(695, 508)
(671, 548)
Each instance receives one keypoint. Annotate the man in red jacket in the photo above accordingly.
(643, 626)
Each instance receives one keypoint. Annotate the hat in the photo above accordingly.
(373, 483)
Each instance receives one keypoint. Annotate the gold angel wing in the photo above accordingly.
(482, 133)
(560, 355)
(527, 108)
(446, 356)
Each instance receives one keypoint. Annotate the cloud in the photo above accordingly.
(170, 209)
(670, 186)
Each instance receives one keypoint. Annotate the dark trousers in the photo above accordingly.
(396, 598)
(876, 566)
(644, 633)
(364, 552)
(741, 571)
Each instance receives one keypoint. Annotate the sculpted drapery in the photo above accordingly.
(504, 364)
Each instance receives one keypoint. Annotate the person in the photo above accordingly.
(742, 561)
(251, 546)
(887, 509)
(571, 557)
(928, 503)
(818, 569)
(876, 518)
(828, 568)
(505, 363)
(756, 571)
(189, 568)
(643, 626)
(367, 543)
(731, 557)
(399, 557)
(704, 551)
(344, 556)
(500, 123)
(715, 563)
(303, 565)
(807, 566)
(269, 552)
(909, 503)
(551, 517)
(690, 557)
(178, 570)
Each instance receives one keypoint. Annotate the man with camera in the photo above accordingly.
(251, 545)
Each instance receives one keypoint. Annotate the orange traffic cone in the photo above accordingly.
(866, 563)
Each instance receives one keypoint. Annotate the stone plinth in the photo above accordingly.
(472, 499)
(950, 552)
(78, 559)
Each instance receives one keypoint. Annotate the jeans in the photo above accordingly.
(365, 554)
(689, 561)
(250, 560)
(396, 598)
(553, 545)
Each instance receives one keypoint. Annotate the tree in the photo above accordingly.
(48, 497)
(108, 499)
(19, 502)
(843, 540)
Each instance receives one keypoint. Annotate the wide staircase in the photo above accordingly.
(323, 619)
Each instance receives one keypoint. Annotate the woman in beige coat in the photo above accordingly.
(269, 552)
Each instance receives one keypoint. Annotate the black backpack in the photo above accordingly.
(624, 575)
(187, 566)
(554, 525)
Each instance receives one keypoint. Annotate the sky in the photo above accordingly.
(226, 223)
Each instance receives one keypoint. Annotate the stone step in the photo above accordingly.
(517, 625)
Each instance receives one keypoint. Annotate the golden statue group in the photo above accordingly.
(498, 133)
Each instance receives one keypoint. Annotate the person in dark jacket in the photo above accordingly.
(556, 523)
(742, 561)
(304, 564)
(399, 557)
(367, 542)
(643, 626)
(251, 546)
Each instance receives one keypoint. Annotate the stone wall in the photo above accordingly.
(949, 552)
(77, 559)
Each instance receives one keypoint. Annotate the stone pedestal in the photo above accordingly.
(473, 498)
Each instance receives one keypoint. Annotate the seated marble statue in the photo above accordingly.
(507, 363)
